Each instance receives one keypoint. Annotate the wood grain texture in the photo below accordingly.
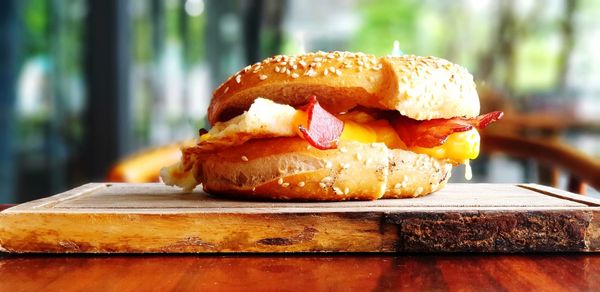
(492, 272)
(153, 218)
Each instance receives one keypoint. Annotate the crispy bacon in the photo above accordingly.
(323, 129)
(433, 133)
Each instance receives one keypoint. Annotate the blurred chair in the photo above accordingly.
(145, 165)
(551, 154)
(536, 135)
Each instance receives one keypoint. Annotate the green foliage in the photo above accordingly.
(385, 21)
(36, 26)
(196, 27)
(141, 37)
(537, 63)
(454, 30)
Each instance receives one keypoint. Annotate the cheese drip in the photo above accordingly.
(468, 170)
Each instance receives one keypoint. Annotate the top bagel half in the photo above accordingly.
(420, 88)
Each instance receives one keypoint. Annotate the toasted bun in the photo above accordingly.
(289, 169)
(418, 87)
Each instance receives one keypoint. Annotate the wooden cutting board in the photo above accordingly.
(153, 218)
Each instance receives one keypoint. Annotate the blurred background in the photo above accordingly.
(85, 83)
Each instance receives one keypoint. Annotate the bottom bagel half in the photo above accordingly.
(289, 169)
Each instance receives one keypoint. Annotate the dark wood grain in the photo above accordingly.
(301, 273)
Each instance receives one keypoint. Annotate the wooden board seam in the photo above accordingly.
(561, 194)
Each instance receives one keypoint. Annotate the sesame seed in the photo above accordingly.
(302, 63)
(226, 89)
(345, 165)
(238, 78)
(346, 190)
(295, 67)
(338, 191)
(338, 72)
(318, 59)
(277, 69)
(285, 185)
(311, 72)
(301, 184)
(262, 77)
(326, 179)
(283, 63)
(397, 186)
(322, 185)
(328, 164)
(254, 189)
(295, 75)
(308, 147)
(325, 72)
(332, 69)
(330, 56)
(283, 70)
(343, 150)
(280, 180)
(244, 158)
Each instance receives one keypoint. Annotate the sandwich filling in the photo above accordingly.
(455, 140)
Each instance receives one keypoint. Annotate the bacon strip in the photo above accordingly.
(433, 133)
(323, 129)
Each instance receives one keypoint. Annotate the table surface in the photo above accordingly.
(349, 272)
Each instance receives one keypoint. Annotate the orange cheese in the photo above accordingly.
(458, 148)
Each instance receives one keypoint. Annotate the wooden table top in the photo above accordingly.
(304, 272)
(301, 272)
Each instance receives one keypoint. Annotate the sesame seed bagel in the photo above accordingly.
(289, 169)
(418, 87)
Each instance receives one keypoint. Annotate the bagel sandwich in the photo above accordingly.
(332, 126)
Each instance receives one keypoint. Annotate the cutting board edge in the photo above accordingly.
(575, 231)
(54, 199)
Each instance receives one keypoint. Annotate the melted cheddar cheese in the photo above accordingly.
(458, 148)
